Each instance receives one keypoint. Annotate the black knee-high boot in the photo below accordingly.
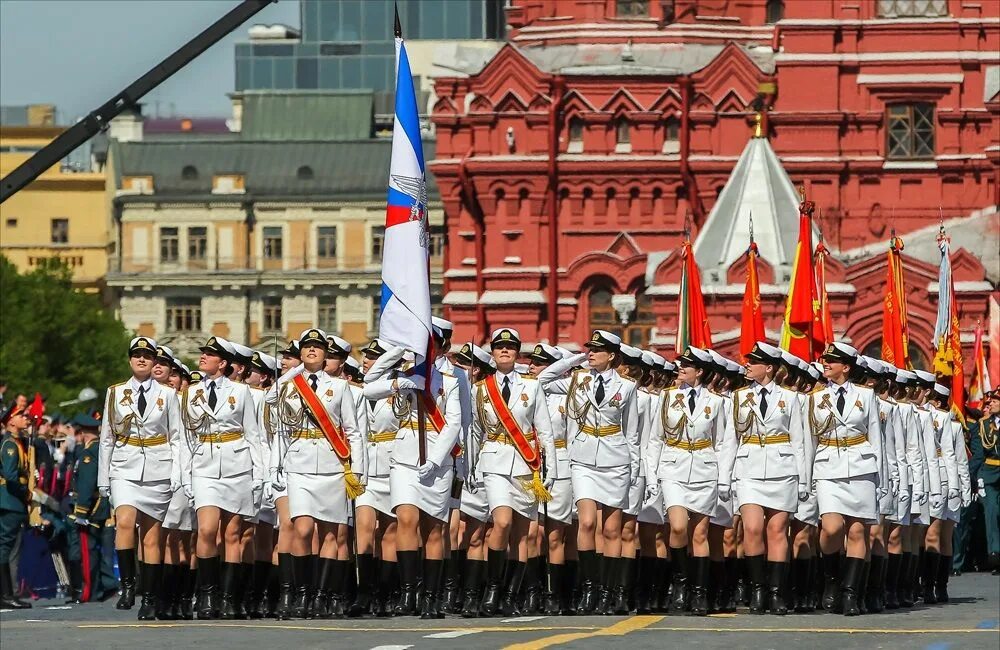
(165, 592)
(777, 575)
(802, 574)
(302, 571)
(941, 584)
(831, 588)
(454, 566)
(757, 570)
(496, 562)
(928, 575)
(892, 563)
(679, 562)
(515, 577)
(876, 585)
(126, 571)
(367, 581)
(716, 586)
(325, 584)
(554, 593)
(230, 586)
(432, 583)
(699, 586)
(256, 598)
(850, 583)
(388, 583)
(149, 577)
(647, 585)
(589, 582)
(409, 568)
(286, 586)
(208, 587)
(474, 574)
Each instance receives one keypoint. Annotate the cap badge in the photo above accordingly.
(466, 348)
(211, 342)
(505, 335)
(538, 349)
(142, 343)
(313, 334)
(596, 337)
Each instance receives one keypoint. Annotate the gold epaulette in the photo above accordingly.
(817, 390)
(118, 384)
(255, 388)
(447, 374)
(528, 375)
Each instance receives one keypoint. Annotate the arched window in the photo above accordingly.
(305, 173)
(602, 314)
(639, 329)
(575, 135)
(623, 136)
(775, 11)
(917, 357)
(189, 173)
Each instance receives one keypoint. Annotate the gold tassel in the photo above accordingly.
(536, 487)
(351, 482)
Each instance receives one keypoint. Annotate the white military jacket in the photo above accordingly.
(962, 462)
(382, 427)
(912, 442)
(695, 446)
(945, 452)
(890, 455)
(140, 446)
(235, 414)
(439, 444)
(604, 434)
(313, 454)
(923, 423)
(529, 407)
(783, 419)
(835, 457)
(449, 369)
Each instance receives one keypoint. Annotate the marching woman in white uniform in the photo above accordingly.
(770, 473)
(511, 421)
(955, 504)
(559, 511)
(603, 434)
(947, 467)
(421, 471)
(474, 512)
(224, 475)
(688, 447)
(324, 468)
(375, 525)
(848, 466)
(276, 490)
(922, 510)
(140, 469)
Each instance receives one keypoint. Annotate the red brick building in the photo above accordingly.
(572, 160)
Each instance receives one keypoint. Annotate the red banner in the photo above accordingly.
(802, 333)
(752, 324)
(895, 337)
(692, 324)
(980, 375)
(825, 318)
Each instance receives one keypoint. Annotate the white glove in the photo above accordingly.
(652, 491)
(426, 470)
(548, 483)
(70, 443)
(257, 493)
(278, 481)
(981, 491)
(175, 485)
(634, 477)
(105, 492)
(953, 494)
(882, 493)
(966, 499)
(894, 486)
(725, 492)
(904, 496)
(189, 493)
(411, 383)
(288, 376)
(385, 363)
(257, 485)
(268, 495)
(919, 497)
(803, 493)
(936, 501)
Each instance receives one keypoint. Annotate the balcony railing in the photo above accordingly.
(289, 264)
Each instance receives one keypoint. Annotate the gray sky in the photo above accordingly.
(76, 54)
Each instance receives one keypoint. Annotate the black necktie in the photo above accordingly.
(506, 389)
(599, 394)
(211, 395)
(313, 381)
(371, 405)
(691, 400)
(763, 401)
(142, 400)
(841, 401)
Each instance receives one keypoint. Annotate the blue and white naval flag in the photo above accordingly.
(406, 296)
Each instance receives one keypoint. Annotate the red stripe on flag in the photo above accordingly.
(395, 215)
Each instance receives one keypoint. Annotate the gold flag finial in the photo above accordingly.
(758, 130)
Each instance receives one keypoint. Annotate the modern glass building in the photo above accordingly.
(348, 44)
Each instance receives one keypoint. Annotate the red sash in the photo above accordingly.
(525, 448)
(437, 419)
(333, 435)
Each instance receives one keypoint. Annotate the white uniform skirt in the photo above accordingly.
(608, 486)
(560, 508)
(475, 504)
(887, 504)
(267, 515)
(148, 497)
(180, 514)
(509, 491)
(723, 515)
(901, 515)
(320, 496)
(432, 496)
(775, 493)
(852, 497)
(636, 493)
(376, 495)
(233, 494)
(808, 511)
(952, 508)
(700, 497)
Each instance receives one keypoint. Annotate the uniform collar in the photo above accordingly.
(607, 375)
(771, 388)
(687, 390)
(219, 383)
(146, 386)
(512, 375)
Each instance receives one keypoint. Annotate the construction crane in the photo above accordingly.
(98, 120)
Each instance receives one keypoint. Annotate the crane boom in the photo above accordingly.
(98, 119)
